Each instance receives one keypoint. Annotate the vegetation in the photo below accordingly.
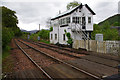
(113, 20)
(72, 5)
(44, 36)
(34, 37)
(7, 35)
(24, 35)
(107, 31)
(70, 40)
(44, 41)
(9, 28)
(9, 19)
(51, 29)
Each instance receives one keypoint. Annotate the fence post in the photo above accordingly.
(104, 43)
(85, 44)
(88, 45)
(97, 46)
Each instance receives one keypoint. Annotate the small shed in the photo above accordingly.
(99, 37)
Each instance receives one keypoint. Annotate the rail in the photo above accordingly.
(74, 67)
(34, 62)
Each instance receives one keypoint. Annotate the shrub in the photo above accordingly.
(7, 35)
(51, 29)
(44, 34)
(70, 40)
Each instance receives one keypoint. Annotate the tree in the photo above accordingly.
(9, 26)
(44, 34)
(105, 29)
(116, 24)
(9, 19)
(7, 35)
(72, 4)
(96, 30)
(51, 29)
(111, 34)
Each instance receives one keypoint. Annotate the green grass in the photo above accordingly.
(7, 61)
(6, 52)
(44, 41)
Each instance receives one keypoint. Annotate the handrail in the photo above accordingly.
(78, 29)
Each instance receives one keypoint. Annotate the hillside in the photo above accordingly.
(112, 20)
(105, 28)
(32, 31)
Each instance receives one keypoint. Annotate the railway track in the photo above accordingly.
(78, 52)
(68, 51)
(47, 75)
(59, 61)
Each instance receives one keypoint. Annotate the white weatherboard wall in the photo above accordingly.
(89, 26)
(55, 31)
(84, 13)
(77, 36)
(59, 30)
(59, 36)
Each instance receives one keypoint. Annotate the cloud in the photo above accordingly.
(104, 10)
(31, 13)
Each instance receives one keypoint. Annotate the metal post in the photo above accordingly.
(39, 27)
(39, 31)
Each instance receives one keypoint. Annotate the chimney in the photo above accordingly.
(59, 12)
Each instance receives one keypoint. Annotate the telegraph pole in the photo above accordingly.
(39, 31)
(39, 27)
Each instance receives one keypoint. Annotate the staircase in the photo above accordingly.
(77, 28)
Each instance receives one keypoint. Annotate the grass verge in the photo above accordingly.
(6, 52)
(44, 41)
(7, 61)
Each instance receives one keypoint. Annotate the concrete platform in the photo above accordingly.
(108, 62)
(94, 68)
(63, 71)
(27, 74)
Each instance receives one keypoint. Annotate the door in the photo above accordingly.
(83, 23)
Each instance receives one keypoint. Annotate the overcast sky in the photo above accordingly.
(31, 13)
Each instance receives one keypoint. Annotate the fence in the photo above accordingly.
(97, 46)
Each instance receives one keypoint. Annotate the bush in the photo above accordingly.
(34, 37)
(7, 35)
(44, 34)
(107, 31)
(17, 31)
(68, 35)
(51, 29)
(70, 40)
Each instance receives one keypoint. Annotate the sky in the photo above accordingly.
(31, 13)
